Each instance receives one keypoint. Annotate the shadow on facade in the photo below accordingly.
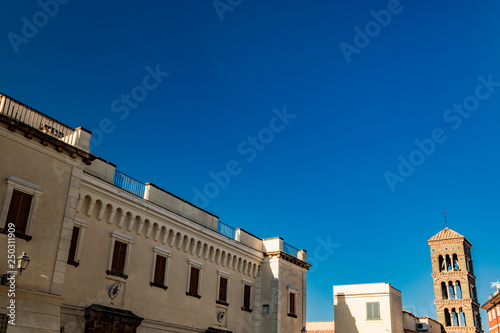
(348, 322)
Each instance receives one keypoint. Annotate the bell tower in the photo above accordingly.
(454, 283)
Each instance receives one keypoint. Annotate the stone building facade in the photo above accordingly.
(454, 282)
(110, 254)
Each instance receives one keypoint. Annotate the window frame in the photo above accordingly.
(82, 225)
(379, 311)
(14, 183)
(194, 264)
(227, 276)
(157, 251)
(116, 236)
(246, 283)
(291, 290)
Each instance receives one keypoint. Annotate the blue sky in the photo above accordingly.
(324, 122)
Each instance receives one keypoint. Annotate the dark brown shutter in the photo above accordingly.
(74, 240)
(19, 211)
(161, 263)
(246, 297)
(292, 303)
(194, 278)
(119, 255)
(223, 289)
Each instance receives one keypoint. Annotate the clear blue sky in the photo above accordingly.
(351, 104)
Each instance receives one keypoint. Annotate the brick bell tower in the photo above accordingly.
(454, 283)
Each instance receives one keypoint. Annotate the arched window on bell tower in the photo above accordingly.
(451, 290)
(441, 264)
(444, 291)
(448, 263)
(458, 288)
(455, 262)
(447, 318)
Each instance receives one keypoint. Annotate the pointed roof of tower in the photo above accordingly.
(446, 234)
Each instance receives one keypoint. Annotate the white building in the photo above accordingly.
(376, 308)
(368, 308)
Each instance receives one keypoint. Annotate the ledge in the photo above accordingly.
(153, 284)
(222, 303)
(121, 275)
(245, 309)
(193, 295)
(73, 263)
(292, 315)
(17, 234)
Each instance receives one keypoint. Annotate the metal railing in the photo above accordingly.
(129, 184)
(287, 248)
(226, 230)
(37, 120)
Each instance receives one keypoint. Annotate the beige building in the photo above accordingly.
(367, 308)
(376, 308)
(414, 324)
(320, 327)
(110, 254)
(454, 282)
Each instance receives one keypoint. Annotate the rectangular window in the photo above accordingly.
(3, 323)
(73, 247)
(292, 304)
(194, 280)
(373, 311)
(161, 264)
(246, 297)
(161, 259)
(119, 256)
(19, 210)
(292, 301)
(223, 289)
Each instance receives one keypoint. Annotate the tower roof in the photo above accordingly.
(445, 234)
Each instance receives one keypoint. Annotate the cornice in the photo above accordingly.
(45, 140)
(289, 258)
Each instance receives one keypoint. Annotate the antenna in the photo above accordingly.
(445, 222)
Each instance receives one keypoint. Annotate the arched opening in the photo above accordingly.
(448, 263)
(447, 318)
(451, 290)
(454, 317)
(444, 292)
(441, 263)
(462, 318)
(455, 262)
(458, 286)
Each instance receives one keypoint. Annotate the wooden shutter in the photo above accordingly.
(223, 289)
(292, 303)
(246, 297)
(161, 263)
(74, 241)
(194, 279)
(119, 256)
(19, 211)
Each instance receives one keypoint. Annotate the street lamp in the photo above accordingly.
(303, 330)
(22, 263)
